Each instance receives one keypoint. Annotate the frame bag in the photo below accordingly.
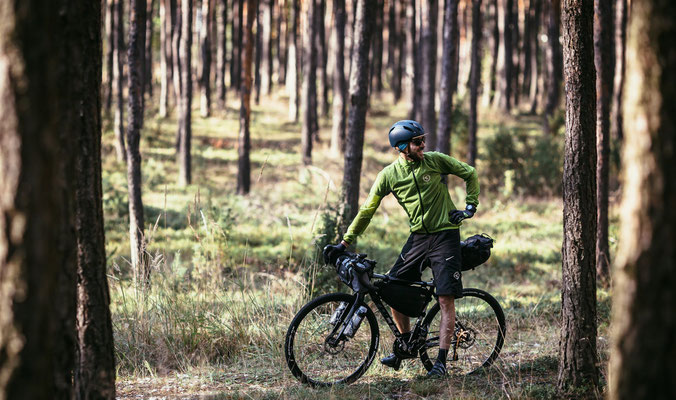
(475, 250)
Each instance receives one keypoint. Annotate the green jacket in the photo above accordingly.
(397, 179)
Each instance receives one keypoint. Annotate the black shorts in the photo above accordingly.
(441, 252)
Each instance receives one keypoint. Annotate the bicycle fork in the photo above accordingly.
(338, 333)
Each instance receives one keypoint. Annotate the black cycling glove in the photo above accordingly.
(456, 216)
(332, 252)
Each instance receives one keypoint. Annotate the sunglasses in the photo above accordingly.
(418, 141)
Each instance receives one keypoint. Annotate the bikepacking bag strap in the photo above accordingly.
(355, 271)
(475, 250)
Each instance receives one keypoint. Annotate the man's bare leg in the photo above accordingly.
(446, 328)
(402, 321)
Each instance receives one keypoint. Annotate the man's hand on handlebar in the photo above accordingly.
(333, 251)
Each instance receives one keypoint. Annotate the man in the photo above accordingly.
(415, 180)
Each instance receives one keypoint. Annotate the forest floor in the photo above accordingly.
(229, 272)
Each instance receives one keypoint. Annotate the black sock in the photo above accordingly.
(441, 357)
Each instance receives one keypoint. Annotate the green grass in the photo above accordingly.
(229, 272)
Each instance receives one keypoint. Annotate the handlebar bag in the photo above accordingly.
(408, 300)
(475, 250)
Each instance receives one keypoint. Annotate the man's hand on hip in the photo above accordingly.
(456, 216)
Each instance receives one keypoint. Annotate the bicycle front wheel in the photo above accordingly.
(479, 332)
(316, 362)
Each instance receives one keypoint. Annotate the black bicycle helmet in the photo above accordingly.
(403, 131)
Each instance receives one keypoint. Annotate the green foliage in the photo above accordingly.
(516, 162)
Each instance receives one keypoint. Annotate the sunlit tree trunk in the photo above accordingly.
(412, 76)
(119, 81)
(266, 67)
(508, 63)
(448, 84)
(474, 78)
(244, 143)
(359, 82)
(578, 361)
(536, 65)
(643, 352)
(165, 56)
(184, 117)
(292, 81)
(282, 40)
(339, 84)
(309, 82)
(322, 58)
(205, 58)
(604, 60)
(221, 52)
(257, 54)
(616, 130)
(149, 48)
(553, 63)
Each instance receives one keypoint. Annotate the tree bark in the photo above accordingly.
(377, 49)
(294, 62)
(178, 67)
(553, 61)
(339, 84)
(412, 75)
(221, 53)
(642, 366)
(236, 50)
(149, 49)
(536, 65)
(244, 144)
(322, 58)
(616, 127)
(309, 82)
(516, 54)
(428, 44)
(508, 63)
(165, 56)
(119, 82)
(95, 366)
(474, 78)
(448, 83)
(257, 55)
(359, 82)
(578, 357)
(266, 71)
(282, 41)
(604, 60)
(495, 47)
(184, 117)
(205, 58)
(110, 40)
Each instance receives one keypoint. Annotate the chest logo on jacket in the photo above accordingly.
(426, 178)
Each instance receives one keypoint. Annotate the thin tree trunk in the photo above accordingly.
(282, 41)
(474, 78)
(309, 82)
(604, 60)
(244, 143)
(110, 40)
(359, 82)
(536, 65)
(221, 53)
(184, 117)
(642, 365)
(516, 54)
(616, 127)
(205, 58)
(257, 55)
(141, 64)
(294, 62)
(578, 357)
(494, 54)
(377, 49)
(553, 61)
(119, 82)
(95, 367)
(136, 229)
(178, 67)
(165, 56)
(266, 71)
(508, 64)
(428, 44)
(236, 51)
(339, 84)
(448, 84)
(149, 49)
(411, 59)
(322, 57)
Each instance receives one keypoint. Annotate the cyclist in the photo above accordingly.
(415, 180)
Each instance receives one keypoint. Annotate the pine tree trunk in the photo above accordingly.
(643, 351)
(377, 49)
(282, 41)
(236, 49)
(578, 357)
(165, 56)
(136, 228)
(359, 82)
(95, 367)
(604, 60)
(411, 59)
(244, 144)
(266, 71)
(494, 53)
(37, 243)
(184, 117)
(294, 62)
(178, 67)
(508, 63)
(221, 53)
(428, 44)
(339, 84)
(149, 49)
(474, 78)
(516, 65)
(205, 58)
(616, 127)
(257, 54)
(322, 58)
(448, 84)
(553, 63)
(119, 82)
(536, 65)
(141, 64)
(528, 29)
(309, 82)
(110, 40)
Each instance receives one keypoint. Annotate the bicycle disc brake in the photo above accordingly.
(466, 338)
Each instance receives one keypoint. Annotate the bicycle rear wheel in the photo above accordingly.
(312, 360)
(480, 323)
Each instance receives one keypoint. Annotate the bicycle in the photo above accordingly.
(334, 338)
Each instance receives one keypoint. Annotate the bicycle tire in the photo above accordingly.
(309, 358)
(481, 314)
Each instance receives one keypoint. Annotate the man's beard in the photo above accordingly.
(415, 157)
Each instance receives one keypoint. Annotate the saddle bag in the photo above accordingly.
(408, 300)
(475, 251)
